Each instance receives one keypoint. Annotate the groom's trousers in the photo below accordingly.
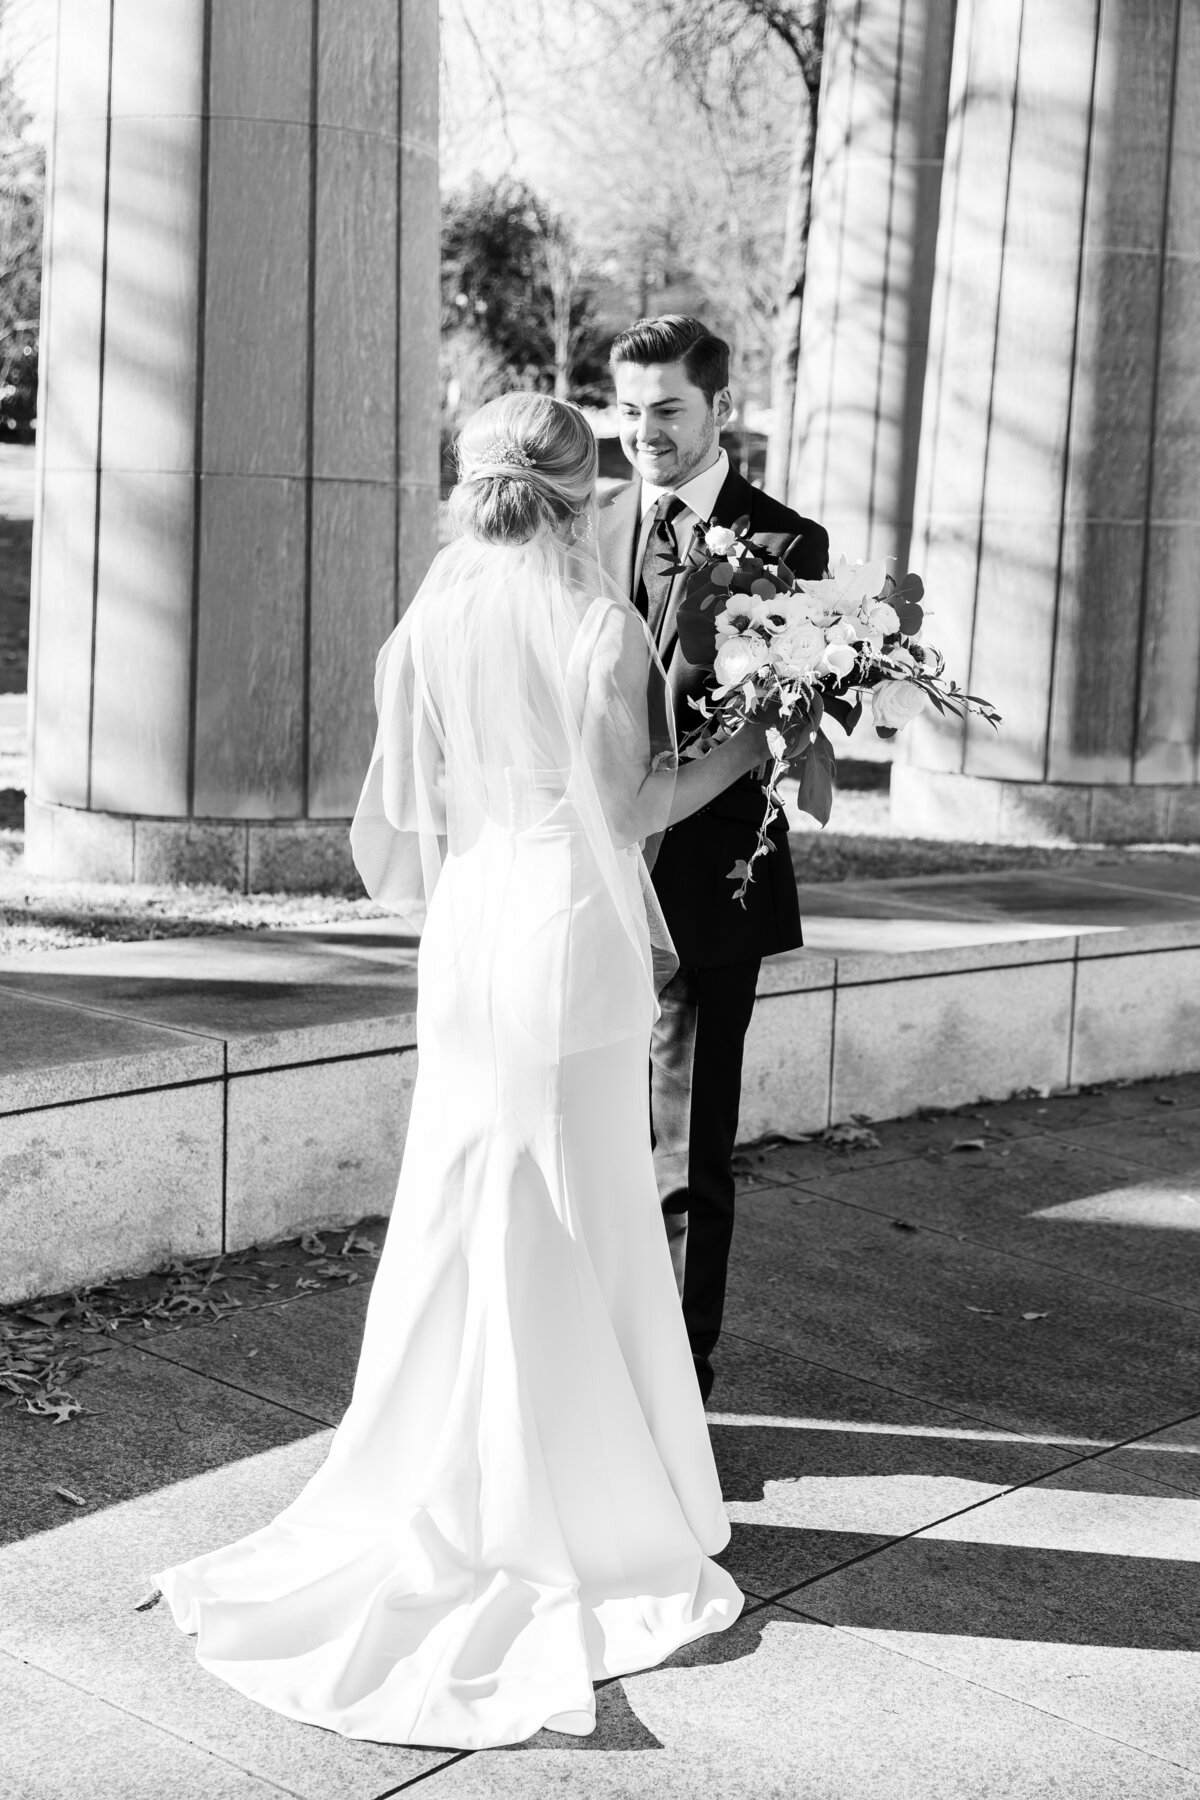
(695, 1093)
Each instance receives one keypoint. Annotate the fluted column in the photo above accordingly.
(237, 467)
(876, 177)
(1059, 484)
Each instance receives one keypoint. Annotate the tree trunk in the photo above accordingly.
(785, 358)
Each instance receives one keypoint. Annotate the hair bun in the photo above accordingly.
(527, 464)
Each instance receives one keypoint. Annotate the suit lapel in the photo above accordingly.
(734, 499)
(617, 535)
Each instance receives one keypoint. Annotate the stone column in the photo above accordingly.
(1059, 481)
(877, 172)
(238, 446)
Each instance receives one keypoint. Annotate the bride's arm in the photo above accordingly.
(701, 780)
(639, 799)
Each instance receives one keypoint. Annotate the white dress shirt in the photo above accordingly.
(699, 496)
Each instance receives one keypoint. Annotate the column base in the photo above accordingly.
(936, 804)
(250, 856)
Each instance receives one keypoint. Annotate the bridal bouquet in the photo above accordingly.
(807, 648)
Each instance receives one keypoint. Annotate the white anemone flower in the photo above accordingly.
(779, 613)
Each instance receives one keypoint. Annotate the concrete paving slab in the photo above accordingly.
(51, 1054)
(1180, 876)
(146, 1422)
(70, 1606)
(774, 1164)
(59, 1741)
(779, 1708)
(1077, 1594)
(1170, 1457)
(1048, 897)
(861, 1463)
(1054, 1199)
(302, 1354)
(804, 1500)
(1090, 1105)
(1161, 1137)
(274, 998)
(941, 1320)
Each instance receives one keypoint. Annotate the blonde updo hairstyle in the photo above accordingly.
(526, 464)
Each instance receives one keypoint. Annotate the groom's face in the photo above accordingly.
(669, 430)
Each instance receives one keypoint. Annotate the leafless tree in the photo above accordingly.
(710, 38)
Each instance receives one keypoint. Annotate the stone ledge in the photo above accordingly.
(222, 1091)
(255, 856)
(945, 804)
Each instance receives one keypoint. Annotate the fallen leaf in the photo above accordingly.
(989, 1310)
(969, 1144)
(152, 1599)
(903, 1225)
(848, 1136)
(311, 1243)
(1035, 1315)
(66, 1494)
(1166, 1099)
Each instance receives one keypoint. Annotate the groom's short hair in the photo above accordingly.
(673, 338)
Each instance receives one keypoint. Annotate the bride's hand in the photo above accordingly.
(797, 733)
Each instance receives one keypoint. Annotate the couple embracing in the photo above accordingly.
(521, 1499)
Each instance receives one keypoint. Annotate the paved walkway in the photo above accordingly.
(958, 1424)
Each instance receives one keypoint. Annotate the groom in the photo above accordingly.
(673, 399)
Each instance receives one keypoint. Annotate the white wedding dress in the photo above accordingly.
(521, 1499)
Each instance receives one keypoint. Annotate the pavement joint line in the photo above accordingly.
(426, 1774)
(1016, 1487)
(956, 1412)
(860, 1636)
(1035, 1262)
(7, 986)
(154, 1725)
(223, 1381)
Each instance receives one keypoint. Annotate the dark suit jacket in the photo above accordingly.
(691, 874)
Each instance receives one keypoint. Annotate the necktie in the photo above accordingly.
(654, 583)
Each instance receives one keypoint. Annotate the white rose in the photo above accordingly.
(738, 658)
(839, 659)
(720, 540)
(844, 631)
(798, 649)
(884, 618)
(894, 704)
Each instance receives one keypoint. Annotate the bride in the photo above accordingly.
(521, 1499)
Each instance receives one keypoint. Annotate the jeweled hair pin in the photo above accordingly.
(501, 453)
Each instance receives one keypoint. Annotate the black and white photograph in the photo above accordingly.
(600, 899)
